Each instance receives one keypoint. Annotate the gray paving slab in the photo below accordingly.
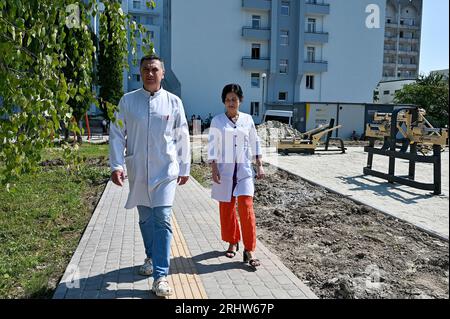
(343, 173)
(217, 272)
(106, 262)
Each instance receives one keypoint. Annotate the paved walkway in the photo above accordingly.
(106, 262)
(343, 173)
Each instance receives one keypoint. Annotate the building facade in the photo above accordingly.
(385, 92)
(402, 39)
(284, 53)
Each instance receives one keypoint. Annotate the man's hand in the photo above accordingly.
(182, 180)
(118, 177)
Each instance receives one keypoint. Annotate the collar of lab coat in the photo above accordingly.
(227, 119)
(148, 94)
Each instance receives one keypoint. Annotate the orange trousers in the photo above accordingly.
(229, 222)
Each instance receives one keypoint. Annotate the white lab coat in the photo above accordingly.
(155, 137)
(233, 145)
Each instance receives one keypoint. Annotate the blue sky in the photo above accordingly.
(434, 46)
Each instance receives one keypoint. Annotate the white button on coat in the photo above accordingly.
(233, 145)
(154, 129)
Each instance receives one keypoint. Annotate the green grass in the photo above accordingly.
(41, 223)
(86, 151)
(202, 173)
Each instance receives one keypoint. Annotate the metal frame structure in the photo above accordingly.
(416, 133)
(309, 141)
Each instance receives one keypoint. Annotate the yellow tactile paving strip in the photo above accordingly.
(182, 275)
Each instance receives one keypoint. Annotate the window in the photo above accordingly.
(388, 20)
(149, 20)
(137, 19)
(311, 54)
(285, 6)
(254, 108)
(282, 96)
(256, 51)
(137, 77)
(256, 22)
(401, 34)
(284, 38)
(255, 80)
(283, 66)
(387, 92)
(310, 82)
(136, 4)
(311, 27)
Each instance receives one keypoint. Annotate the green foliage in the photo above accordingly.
(47, 63)
(431, 93)
(42, 220)
(113, 53)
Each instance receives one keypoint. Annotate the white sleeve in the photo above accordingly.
(117, 139)
(214, 141)
(182, 140)
(255, 143)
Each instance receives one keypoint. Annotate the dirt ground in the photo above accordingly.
(344, 250)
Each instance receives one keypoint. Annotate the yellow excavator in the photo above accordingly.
(309, 141)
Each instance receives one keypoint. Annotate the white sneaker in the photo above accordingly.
(161, 287)
(147, 268)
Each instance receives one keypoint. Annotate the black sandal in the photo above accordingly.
(252, 262)
(231, 253)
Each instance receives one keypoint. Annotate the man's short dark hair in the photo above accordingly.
(232, 88)
(151, 57)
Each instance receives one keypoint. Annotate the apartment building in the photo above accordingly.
(402, 39)
(284, 53)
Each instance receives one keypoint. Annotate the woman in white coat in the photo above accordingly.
(233, 145)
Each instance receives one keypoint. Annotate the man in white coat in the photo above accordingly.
(151, 137)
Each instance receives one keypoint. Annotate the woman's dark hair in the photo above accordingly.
(232, 88)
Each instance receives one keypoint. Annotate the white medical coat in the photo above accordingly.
(153, 143)
(233, 145)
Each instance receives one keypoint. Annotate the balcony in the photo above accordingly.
(316, 37)
(262, 34)
(261, 64)
(405, 23)
(316, 8)
(262, 5)
(390, 51)
(409, 27)
(407, 66)
(315, 66)
(390, 38)
(407, 52)
(389, 64)
(141, 8)
(409, 40)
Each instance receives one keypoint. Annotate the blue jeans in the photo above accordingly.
(156, 232)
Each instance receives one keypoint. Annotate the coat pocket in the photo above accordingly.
(162, 124)
(131, 167)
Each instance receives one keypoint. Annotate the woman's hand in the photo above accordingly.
(215, 173)
(260, 174)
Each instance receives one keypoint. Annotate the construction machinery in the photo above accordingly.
(309, 141)
(403, 129)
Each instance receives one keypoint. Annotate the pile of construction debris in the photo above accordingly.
(274, 131)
